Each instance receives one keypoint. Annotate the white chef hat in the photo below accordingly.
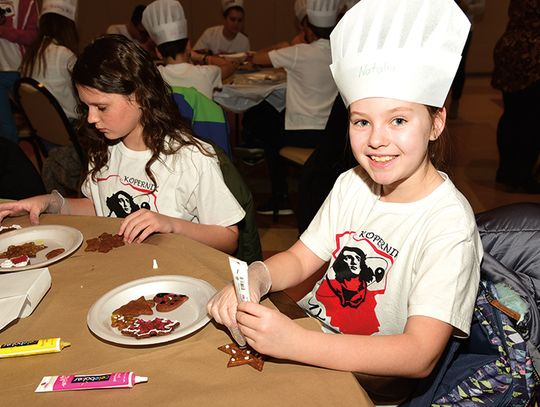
(66, 8)
(165, 21)
(400, 49)
(323, 13)
(300, 9)
(227, 4)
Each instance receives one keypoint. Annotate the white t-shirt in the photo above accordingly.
(190, 187)
(212, 39)
(311, 89)
(10, 52)
(57, 77)
(204, 78)
(119, 29)
(389, 261)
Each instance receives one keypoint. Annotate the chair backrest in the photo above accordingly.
(44, 114)
(206, 116)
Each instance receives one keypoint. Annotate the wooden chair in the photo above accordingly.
(298, 155)
(45, 117)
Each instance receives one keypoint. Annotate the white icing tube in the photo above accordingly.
(239, 270)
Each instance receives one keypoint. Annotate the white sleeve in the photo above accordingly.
(448, 271)
(213, 73)
(284, 57)
(203, 41)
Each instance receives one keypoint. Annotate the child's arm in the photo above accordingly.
(293, 266)
(261, 58)
(139, 225)
(50, 203)
(296, 264)
(227, 68)
(411, 354)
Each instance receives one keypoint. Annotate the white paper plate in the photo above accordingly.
(191, 314)
(52, 236)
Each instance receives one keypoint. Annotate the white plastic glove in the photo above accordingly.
(56, 202)
(222, 306)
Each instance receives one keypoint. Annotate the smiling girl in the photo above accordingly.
(398, 241)
(140, 151)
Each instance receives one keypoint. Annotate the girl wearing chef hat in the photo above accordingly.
(227, 38)
(137, 143)
(51, 56)
(397, 240)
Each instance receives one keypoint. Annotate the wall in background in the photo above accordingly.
(271, 21)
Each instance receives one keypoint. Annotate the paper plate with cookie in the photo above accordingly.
(151, 310)
(36, 246)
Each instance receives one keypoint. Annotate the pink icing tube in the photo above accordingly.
(89, 382)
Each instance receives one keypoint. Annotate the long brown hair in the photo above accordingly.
(115, 64)
(439, 150)
(53, 28)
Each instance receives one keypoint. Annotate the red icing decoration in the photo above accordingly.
(20, 259)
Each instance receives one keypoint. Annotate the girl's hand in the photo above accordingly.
(33, 206)
(222, 307)
(269, 331)
(141, 224)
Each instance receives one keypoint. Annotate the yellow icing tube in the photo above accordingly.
(35, 347)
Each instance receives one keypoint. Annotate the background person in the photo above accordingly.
(310, 94)
(134, 29)
(227, 38)
(18, 28)
(50, 58)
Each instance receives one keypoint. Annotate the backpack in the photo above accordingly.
(492, 367)
(497, 364)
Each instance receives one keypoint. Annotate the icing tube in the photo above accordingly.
(36, 347)
(89, 382)
(239, 270)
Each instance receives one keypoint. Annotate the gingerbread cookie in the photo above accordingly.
(166, 302)
(242, 356)
(104, 243)
(121, 321)
(140, 328)
(29, 249)
(134, 308)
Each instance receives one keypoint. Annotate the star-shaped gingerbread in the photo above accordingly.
(242, 356)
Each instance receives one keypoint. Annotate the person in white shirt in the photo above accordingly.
(166, 24)
(50, 58)
(311, 91)
(397, 242)
(134, 29)
(227, 38)
(18, 28)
